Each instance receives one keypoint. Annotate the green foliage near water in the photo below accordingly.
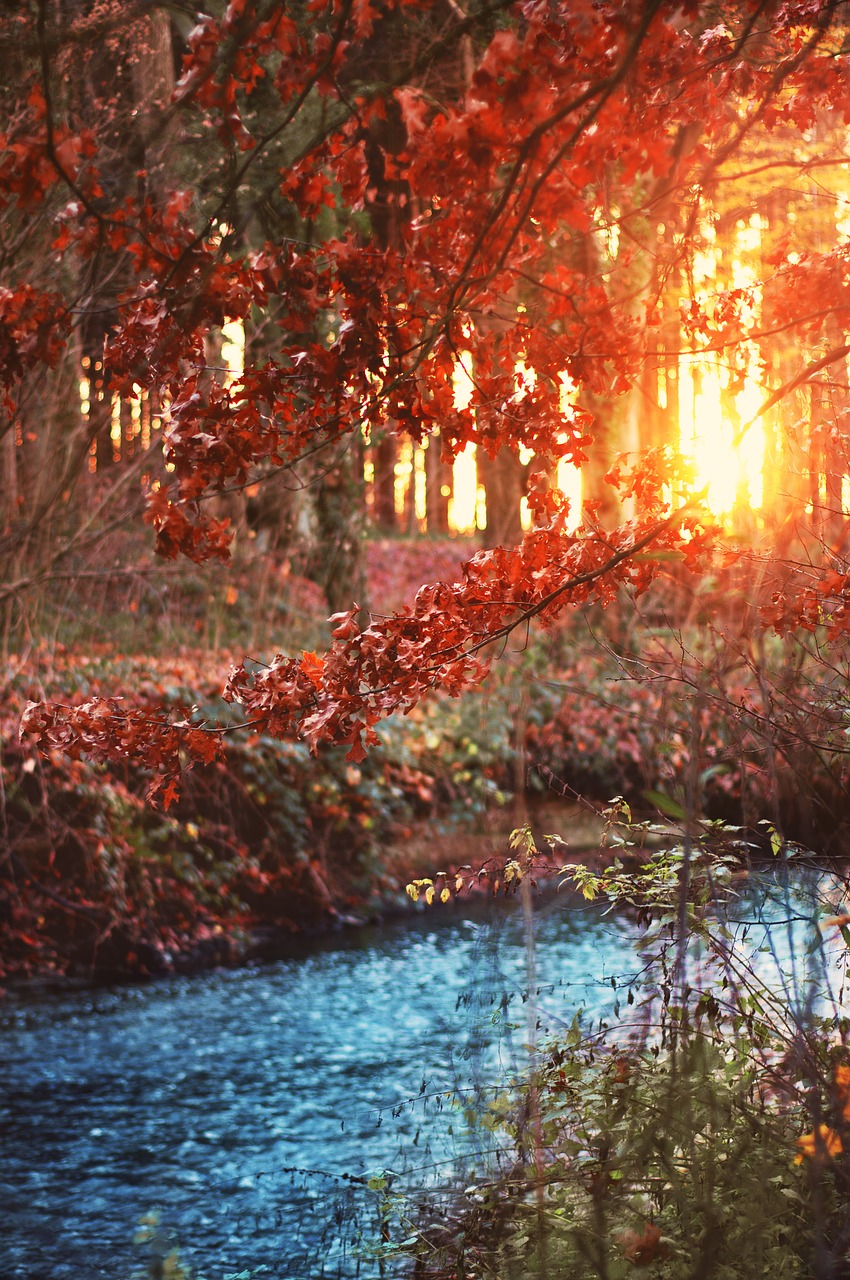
(703, 1131)
(674, 1160)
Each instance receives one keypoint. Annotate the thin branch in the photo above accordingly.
(806, 375)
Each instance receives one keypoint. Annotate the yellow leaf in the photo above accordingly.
(429, 894)
(445, 895)
(842, 1088)
(838, 921)
(413, 892)
(820, 1146)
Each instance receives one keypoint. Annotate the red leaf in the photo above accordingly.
(170, 793)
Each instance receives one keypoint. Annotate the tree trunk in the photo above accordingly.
(438, 487)
(340, 519)
(384, 458)
(9, 512)
(153, 85)
(503, 478)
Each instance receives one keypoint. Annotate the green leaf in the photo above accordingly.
(668, 806)
(574, 1033)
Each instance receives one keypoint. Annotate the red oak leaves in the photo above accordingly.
(106, 729)
(443, 642)
(430, 221)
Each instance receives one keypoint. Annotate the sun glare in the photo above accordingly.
(464, 502)
(233, 349)
(727, 464)
(726, 453)
(716, 427)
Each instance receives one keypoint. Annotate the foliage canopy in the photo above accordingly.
(385, 195)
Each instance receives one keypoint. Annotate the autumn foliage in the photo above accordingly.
(393, 192)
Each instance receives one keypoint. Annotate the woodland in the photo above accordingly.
(419, 417)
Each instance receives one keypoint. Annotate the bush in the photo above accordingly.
(677, 1160)
(705, 1134)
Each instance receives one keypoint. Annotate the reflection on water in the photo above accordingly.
(249, 1106)
(772, 937)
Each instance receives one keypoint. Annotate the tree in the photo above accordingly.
(579, 122)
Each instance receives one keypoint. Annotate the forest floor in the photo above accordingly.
(273, 843)
(266, 847)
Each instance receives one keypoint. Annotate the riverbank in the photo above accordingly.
(273, 844)
(268, 846)
(260, 855)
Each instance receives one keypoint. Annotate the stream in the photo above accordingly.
(241, 1111)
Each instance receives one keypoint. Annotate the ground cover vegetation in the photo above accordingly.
(699, 1129)
(271, 277)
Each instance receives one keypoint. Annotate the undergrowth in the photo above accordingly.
(648, 702)
(703, 1132)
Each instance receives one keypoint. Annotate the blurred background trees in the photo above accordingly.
(689, 250)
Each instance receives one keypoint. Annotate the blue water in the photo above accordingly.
(245, 1107)
(248, 1108)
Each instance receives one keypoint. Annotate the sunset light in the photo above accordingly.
(727, 454)
(727, 464)
(463, 503)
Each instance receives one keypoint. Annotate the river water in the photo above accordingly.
(234, 1103)
(246, 1107)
